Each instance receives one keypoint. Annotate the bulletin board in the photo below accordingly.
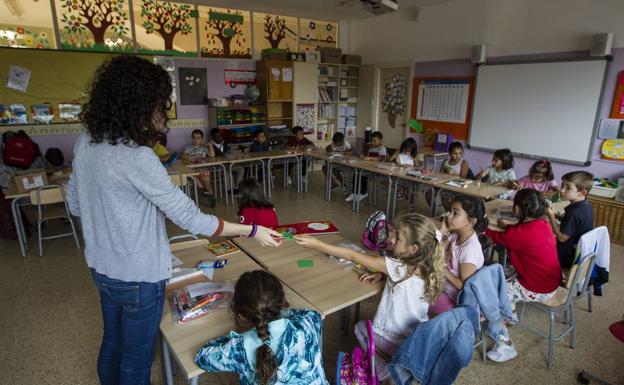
(454, 113)
(56, 76)
(617, 109)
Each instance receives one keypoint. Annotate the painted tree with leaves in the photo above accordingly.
(226, 27)
(95, 16)
(167, 19)
(275, 29)
(393, 103)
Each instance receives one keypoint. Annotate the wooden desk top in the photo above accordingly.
(328, 286)
(185, 339)
(244, 157)
(480, 190)
(432, 152)
(181, 168)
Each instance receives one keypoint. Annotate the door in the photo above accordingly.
(366, 99)
(392, 104)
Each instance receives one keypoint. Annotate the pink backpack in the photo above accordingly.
(358, 367)
(375, 235)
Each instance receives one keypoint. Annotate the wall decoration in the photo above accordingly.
(18, 78)
(42, 113)
(274, 31)
(617, 107)
(13, 114)
(168, 64)
(70, 112)
(193, 86)
(395, 93)
(313, 33)
(26, 37)
(224, 32)
(305, 118)
(98, 25)
(163, 26)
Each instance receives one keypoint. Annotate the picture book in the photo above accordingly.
(221, 249)
(311, 228)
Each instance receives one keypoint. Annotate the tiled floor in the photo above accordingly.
(50, 322)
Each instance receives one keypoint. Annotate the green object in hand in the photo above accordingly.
(556, 197)
(305, 263)
(287, 235)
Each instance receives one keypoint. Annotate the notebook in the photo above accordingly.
(174, 158)
(221, 249)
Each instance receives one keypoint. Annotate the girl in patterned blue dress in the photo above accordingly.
(279, 346)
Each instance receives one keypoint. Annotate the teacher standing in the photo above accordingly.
(122, 193)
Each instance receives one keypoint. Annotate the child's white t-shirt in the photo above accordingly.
(405, 160)
(402, 305)
(468, 252)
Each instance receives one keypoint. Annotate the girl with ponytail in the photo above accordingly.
(415, 279)
(275, 345)
(463, 229)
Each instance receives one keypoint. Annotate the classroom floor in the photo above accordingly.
(50, 322)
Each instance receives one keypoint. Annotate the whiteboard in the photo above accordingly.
(546, 110)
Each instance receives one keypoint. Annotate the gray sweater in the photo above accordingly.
(122, 194)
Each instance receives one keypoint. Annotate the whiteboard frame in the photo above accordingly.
(588, 162)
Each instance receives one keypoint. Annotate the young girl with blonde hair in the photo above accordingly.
(416, 277)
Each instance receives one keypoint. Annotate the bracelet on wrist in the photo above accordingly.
(254, 229)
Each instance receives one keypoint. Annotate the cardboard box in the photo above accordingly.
(351, 59)
(330, 55)
(29, 180)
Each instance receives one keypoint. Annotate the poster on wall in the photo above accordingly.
(193, 86)
(94, 25)
(305, 118)
(314, 33)
(274, 31)
(224, 32)
(443, 100)
(393, 102)
(165, 27)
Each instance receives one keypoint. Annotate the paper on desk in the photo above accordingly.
(202, 288)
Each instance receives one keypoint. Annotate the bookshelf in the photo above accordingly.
(238, 123)
(337, 100)
(275, 80)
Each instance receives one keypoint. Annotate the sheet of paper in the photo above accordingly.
(276, 73)
(287, 74)
(18, 78)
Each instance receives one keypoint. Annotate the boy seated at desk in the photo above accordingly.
(338, 146)
(195, 153)
(260, 142)
(578, 218)
(299, 143)
(377, 152)
(218, 143)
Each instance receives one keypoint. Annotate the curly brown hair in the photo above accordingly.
(128, 101)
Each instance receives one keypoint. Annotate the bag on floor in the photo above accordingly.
(376, 231)
(7, 229)
(358, 367)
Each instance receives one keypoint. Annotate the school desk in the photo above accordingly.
(403, 176)
(328, 286)
(428, 153)
(179, 174)
(181, 341)
(213, 164)
(23, 199)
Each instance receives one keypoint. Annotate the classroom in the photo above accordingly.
(311, 192)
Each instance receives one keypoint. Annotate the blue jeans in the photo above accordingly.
(131, 312)
(437, 350)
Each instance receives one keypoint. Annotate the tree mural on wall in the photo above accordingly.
(393, 103)
(276, 29)
(95, 16)
(227, 28)
(167, 19)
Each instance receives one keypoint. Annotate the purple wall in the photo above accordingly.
(479, 159)
(177, 138)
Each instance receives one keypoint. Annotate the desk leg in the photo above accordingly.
(263, 176)
(356, 316)
(166, 362)
(270, 175)
(19, 226)
(328, 180)
(346, 317)
(194, 380)
(225, 184)
(300, 170)
(356, 190)
(230, 177)
(434, 200)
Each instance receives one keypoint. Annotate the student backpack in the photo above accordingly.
(19, 151)
(375, 235)
(358, 367)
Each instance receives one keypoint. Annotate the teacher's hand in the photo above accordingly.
(267, 237)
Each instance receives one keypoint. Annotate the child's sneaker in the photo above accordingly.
(289, 182)
(361, 196)
(350, 197)
(503, 351)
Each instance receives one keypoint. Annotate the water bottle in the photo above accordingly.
(619, 194)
